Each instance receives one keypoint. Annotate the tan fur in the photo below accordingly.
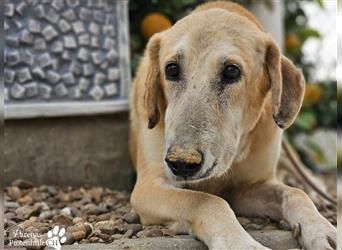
(234, 126)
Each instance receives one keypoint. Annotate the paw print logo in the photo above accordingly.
(56, 238)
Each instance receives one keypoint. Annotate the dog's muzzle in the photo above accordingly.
(184, 162)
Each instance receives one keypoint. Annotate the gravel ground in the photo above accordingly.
(99, 215)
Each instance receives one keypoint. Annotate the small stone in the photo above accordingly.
(52, 190)
(34, 26)
(94, 42)
(168, 232)
(63, 25)
(38, 72)
(66, 211)
(21, 8)
(39, 44)
(26, 37)
(98, 57)
(109, 30)
(26, 199)
(76, 68)
(11, 205)
(6, 94)
(131, 217)
(27, 57)
(99, 16)
(112, 56)
(24, 75)
(88, 69)
(14, 192)
(85, 14)
(134, 227)
(75, 92)
(52, 16)
(69, 14)
(73, 3)
(150, 233)
(32, 2)
(128, 234)
(52, 76)
(44, 60)
(78, 235)
(39, 11)
(49, 32)
(45, 91)
(46, 215)
(70, 42)
(12, 57)
(6, 26)
(90, 209)
(17, 24)
(104, 65)
(57, 47)
(111, 89)
(97, 93)
(25, 212)
(9, 76)
(108, 227)
(57, 4)
(12, 41)
(78, 27)
(9, 9)
(99, 78)
(61, 90)
(84, 39)
(83, 54)
(108, 43)
(83, 84)
(113, 74)
(94, 28)
(68, 78)
(63, 220)
(66, 55)
(31, 89)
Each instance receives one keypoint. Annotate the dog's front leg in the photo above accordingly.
(209, 217)
(279, 201)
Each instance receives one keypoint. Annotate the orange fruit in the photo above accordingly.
(154, 23)
(312, 92)
(291, 41)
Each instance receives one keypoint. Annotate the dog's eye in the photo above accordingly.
(231, 73)
(172, 71)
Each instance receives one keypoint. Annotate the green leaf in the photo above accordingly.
(308, 32)
(320, 3)
(306, 121)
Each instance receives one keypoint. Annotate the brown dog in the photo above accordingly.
(208, 105)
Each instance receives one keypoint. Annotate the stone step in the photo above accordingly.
(274, 239)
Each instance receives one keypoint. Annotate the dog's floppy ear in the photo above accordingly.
(287, 86)
(152, 81)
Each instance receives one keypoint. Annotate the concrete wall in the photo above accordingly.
(69, 151)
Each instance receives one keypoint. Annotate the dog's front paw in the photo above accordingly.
(231, 243)
(320, 235)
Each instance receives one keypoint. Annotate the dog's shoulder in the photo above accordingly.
(232, 7)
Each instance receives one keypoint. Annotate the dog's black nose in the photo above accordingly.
(183, 168)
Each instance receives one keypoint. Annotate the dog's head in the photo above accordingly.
(213, 70)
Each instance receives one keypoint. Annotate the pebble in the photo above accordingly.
(14, 192)
(22, 184)
(131, 217)
(64, 220)
(25, 212)
(150, 233)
